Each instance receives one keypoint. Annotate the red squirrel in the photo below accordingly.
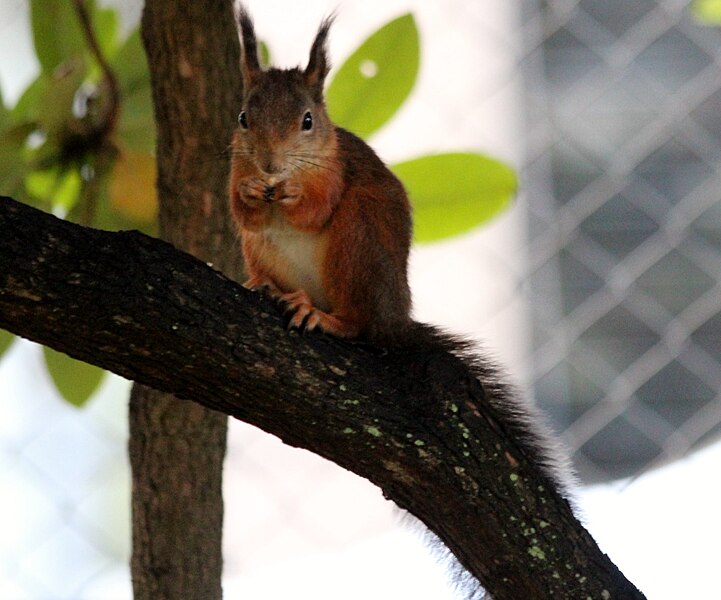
(325, 225)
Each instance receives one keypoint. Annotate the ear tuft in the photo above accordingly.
(249, 64)
(318, 64)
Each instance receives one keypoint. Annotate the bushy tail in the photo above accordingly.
(516, 416)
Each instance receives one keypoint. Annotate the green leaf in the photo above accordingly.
(452, 193)
(56, 32)
(4, 112)
(13, 165)
(13, 168)
(12, 160)
(6, 338)
(136, 125)
(375, 81)
(76, 381)
(26, 106)
(130, 64)
(707, 12)
(264, 54)
(105, 26)
(61, 188)
(46, 110)
(48, 101)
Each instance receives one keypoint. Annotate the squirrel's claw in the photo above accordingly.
(263, 285)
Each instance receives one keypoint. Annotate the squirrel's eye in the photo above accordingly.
(243, 119)
(307, 121)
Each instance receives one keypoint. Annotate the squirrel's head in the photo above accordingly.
(283, 124)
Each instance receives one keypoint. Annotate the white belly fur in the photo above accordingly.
(298, 260)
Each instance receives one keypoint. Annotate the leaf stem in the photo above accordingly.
(109, 78)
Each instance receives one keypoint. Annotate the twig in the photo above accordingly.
(109, 78)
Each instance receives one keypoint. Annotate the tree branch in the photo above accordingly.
(417, 424)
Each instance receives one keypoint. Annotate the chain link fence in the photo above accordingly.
(624, 205)
(618, 143)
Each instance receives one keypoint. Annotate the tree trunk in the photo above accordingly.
(176, 452)
(177, 448)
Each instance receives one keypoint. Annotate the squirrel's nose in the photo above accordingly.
(271, 166)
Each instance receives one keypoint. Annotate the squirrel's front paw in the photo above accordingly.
(255, 192)
(288, 193)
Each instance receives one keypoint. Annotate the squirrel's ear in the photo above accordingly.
(249, 64)
(318, 65)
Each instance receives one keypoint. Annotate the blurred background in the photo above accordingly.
(599, 291)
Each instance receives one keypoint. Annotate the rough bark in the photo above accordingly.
(418, 424)
(177, 448)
